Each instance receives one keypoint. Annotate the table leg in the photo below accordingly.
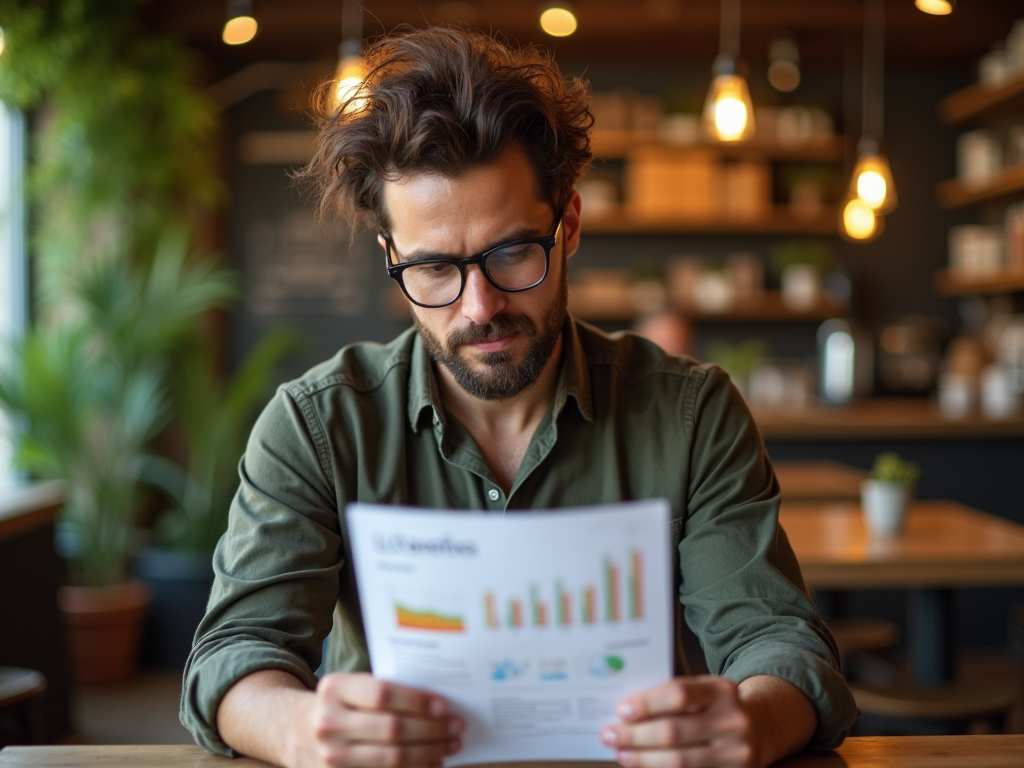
(931, 635)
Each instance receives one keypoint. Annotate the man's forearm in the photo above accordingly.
(259, 716)
(782, 717)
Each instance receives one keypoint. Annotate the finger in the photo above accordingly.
(360, 755)
(677, 696)
(364, 691)
(359, 725)
(663, 732)
(701, 756)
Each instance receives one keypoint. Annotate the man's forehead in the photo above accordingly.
(483, 202)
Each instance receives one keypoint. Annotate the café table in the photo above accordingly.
(944, 546)
(818, 480)
(1002, 751)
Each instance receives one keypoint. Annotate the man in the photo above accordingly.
(463, 155)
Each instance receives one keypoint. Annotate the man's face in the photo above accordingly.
(493, 343)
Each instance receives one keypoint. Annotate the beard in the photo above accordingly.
(499, 377)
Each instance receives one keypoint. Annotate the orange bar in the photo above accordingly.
(614, 599)
(638, 591)
(566, 609)
(589, 605)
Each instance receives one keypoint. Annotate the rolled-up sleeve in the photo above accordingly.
(276, 568)
(741, 587)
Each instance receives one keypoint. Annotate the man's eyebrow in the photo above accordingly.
(520, 233)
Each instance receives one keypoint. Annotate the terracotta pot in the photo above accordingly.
(104, 627)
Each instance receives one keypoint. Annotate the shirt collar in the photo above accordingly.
(573, 381)
(423, 391)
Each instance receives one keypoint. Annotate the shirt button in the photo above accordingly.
(493, 494)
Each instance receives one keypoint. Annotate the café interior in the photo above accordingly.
(824, 198)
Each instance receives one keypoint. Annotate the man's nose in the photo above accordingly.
(480, 300)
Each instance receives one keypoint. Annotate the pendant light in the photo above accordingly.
(936, 7)
(872, 181)
(728, 113)
(859, 222)
(241, 26)
(558, 19)
(351, 69)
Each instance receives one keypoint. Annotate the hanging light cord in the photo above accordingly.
(729, 28)
(872, 109)
(351, 24)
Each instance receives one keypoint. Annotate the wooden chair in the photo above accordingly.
(934, 709)
(859, 639)
(21, 694)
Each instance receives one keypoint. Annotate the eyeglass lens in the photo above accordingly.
(512, 268)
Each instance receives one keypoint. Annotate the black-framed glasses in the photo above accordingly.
(515, 266)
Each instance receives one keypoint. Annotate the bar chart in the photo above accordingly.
(616, 596)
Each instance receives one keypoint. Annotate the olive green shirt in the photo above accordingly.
(628, 422)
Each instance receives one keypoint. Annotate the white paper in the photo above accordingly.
(532, 625)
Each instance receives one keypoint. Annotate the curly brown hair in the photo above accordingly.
(443, 100)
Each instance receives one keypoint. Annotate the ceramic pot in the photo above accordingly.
(104, 627)
(180, 584)
(885, 506)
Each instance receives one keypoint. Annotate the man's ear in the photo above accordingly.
(571, 218)
(383, 244)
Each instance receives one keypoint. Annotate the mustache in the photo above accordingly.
(498, 327)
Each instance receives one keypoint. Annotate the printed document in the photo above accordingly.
(533, 625)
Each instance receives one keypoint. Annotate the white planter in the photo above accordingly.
(801, 287)
(885, 506)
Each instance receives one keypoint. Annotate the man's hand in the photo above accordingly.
(351, 720)
(358, 720)
(692, 722)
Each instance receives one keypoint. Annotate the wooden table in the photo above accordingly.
(864, 752)
(818, 480)
(945, 545)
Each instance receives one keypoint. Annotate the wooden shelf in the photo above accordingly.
(981, 102)
(951, 284)
(616, 145)
(889, 418)
(768, 307)
(780, 222)
(1007, 185)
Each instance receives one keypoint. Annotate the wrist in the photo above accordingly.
(782, 719)
(297, 736)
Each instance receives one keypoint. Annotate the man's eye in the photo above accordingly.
(434, 270)
(511, 255)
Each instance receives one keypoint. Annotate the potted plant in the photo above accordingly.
(215, 415)
(886, 493)
(800, 266)
(88, 393)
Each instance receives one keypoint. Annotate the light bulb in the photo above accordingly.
(936, 7)
(348, 79)
(239, 30)
(871, 189)
(859, 222)
(728, 114)
(558, 21)
(784, 76)
(872, 180)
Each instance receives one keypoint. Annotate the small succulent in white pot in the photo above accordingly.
(886, 494)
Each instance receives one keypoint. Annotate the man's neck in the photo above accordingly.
(503, 429)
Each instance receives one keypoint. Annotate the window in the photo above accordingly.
(13, 258)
